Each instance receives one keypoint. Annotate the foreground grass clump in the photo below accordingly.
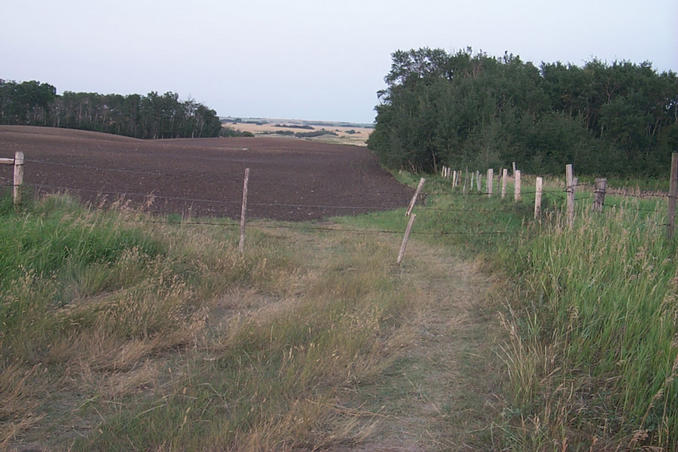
(142, 334)
(270, 382)
(52, 253)
(593, 356)
(86, 295)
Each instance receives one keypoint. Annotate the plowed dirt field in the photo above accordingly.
(289, 179)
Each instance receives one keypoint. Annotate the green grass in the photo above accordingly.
(591, 310)
(159, 334)
(597, 327)
(148, 334)
(58, 235)
(270, 367)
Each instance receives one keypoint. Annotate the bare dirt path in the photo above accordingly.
(441, 389)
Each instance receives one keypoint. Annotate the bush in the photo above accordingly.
(315, 133)
(231, 132)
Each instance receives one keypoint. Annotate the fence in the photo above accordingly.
(571, 185)
(459, 179)
(18, 175)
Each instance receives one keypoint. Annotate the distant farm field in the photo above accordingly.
(290, 179)
(336, 134)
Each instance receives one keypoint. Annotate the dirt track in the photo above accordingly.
(289, 179)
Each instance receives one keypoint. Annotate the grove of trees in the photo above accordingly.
(472, 110)
(150, 116)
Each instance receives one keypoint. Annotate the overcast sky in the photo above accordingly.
(306, 59)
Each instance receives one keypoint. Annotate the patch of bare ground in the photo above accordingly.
(439, 388)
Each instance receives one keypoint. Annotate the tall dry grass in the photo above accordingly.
(144, 335)
(90, 299)
(593, 352)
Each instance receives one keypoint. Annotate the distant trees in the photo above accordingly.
(27, 102)
(473, 110)
(150, 116)
(231, 132)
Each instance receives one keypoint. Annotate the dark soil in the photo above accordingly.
(289, 179)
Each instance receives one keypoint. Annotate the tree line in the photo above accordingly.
(134, 115)
(472, 110)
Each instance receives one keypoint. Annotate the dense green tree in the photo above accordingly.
(25, 103)
(467, 109)
(150, 116)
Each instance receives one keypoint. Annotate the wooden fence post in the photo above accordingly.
(18, 177)
(243, 210)
(454, 178)
(479, 182)
(490, 179)
(516, 187)
(465, 181)
(537, 198)
(472, 179)
(569, 181)
(673, 194)
(401, 254)
(504, 172)
(599, 194)
(414, 198)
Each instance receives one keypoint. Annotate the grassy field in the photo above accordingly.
(120, 331)
(589, 311)
(123, 331)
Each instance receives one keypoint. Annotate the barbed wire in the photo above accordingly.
(218, 202)
(470, 192)
(295, 205)
(161, 173)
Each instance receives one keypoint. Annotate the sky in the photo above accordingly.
(306, 59)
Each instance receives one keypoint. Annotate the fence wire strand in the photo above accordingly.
(560, 194)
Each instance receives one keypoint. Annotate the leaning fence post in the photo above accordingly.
(414, 198)
(516, 187)
(18, 177)
(490, 179)
(537, 198)
(673, 193)
(569, 181)
(243, 210)
(599, 194)
(401, 254)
